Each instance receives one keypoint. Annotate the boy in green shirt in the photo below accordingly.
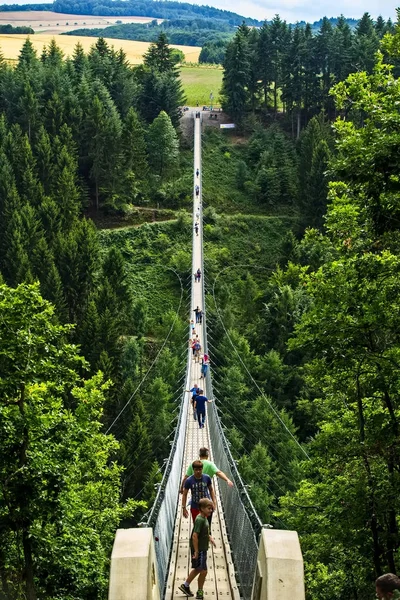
(209, 468)
(199, 542)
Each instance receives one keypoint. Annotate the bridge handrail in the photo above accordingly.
(163, 512)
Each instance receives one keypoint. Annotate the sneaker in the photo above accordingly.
(200, 595)
(186, 590)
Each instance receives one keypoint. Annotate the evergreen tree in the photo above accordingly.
(28, 59)
(264, 61)
(163, 147)
(44, 159)
(79, 61)
(29, 110)
(341, 50)
(365, 44)
(323, 62)
(19, 152)
(159, 57)
(278, 43)
(236, 73)
(103, 131)
(134, 155)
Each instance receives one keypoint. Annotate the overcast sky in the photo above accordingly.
(292, 10)
(301, 10)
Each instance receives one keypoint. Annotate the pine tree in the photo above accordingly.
(29, 110)
(103, 132)
(278, 42)
(134, 158)
(318, 184)
(136, 453)
(76, 256)
(44, 159)
(264, 61)
(293, 77)
(159, 56)
(16, 266)
(54, 55)
(314, 150)
(380, 27)
(341, 48)
(79, 61)
(236, 73)
(163, 147)
(28, 58)
(365, 44)
(19, 152)
(323, 61)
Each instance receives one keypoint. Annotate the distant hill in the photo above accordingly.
(333, 21)
(157, 9)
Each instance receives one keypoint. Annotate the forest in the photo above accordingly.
(79, 329)
(301, 265)
(185, 32)
(156, 9)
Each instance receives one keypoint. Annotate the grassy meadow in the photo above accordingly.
(11, 44)
(199, 81)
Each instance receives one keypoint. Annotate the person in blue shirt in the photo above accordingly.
(195, 391)
(200, 405)
(201, 487)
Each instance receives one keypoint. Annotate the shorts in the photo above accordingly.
(200, 562)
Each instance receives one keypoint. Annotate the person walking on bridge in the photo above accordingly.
(209, 468)
(199, 543)
(200, 405)
(195, 392)
(200, 487)
(205, 362)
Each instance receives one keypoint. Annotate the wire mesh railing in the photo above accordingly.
(163, 513)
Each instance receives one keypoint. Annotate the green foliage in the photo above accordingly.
(346, 505)
(185, 32)
(156, 10)
(53, 478)
(163, 147)
(262, 64)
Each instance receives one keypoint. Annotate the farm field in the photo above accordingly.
(10, 46)
(198, 82)
(51, 22)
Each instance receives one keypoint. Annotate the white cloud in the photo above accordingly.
(299, 10)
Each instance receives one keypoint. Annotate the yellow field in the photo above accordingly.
(10, 46)
(50, 22)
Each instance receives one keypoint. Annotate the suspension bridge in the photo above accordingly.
(250, 561)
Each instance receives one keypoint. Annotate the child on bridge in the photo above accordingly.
(199, 543)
